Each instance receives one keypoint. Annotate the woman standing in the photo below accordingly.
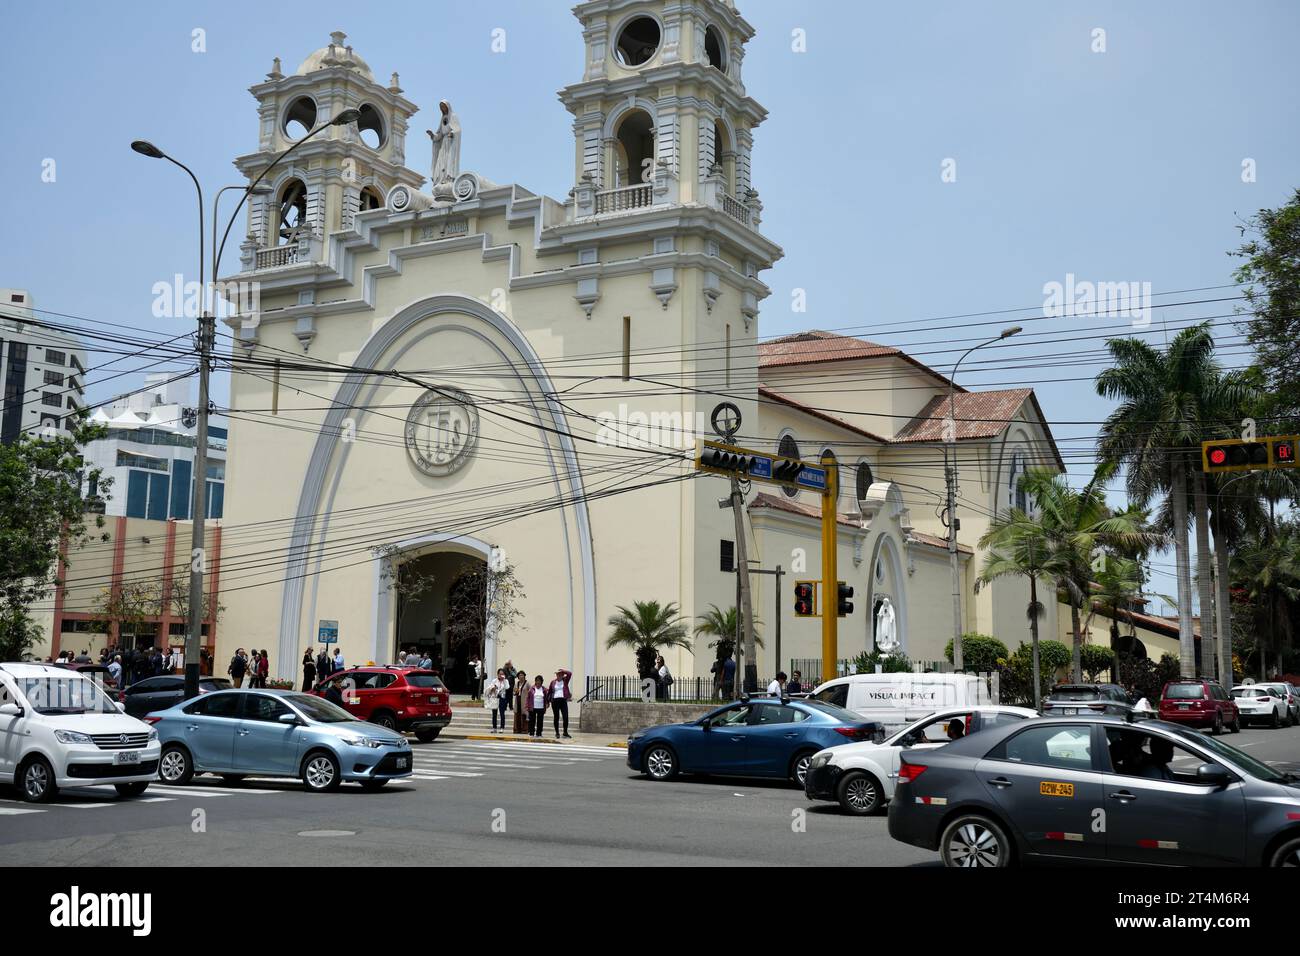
(536, 699)
(263, 669)
(663, 678)
(521, 703)
(308, 671)
(498, 698)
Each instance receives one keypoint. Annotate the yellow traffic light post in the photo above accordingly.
(734, 462)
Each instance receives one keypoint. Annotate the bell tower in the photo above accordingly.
(661, 116)
(340, 172)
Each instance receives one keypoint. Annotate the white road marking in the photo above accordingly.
(14, 811)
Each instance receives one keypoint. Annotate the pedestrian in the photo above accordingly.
(323, 664)
(177, 661)
(521, 702)
(238, 667)
(536, 707)
(498, 698)
(263, 669)
(426, 662)
(728, 678)
(560, 696)
(115, 671)
(142, 667)
(308, 671)
(476, 677)
(157, 662)
(333, 693)
(84, 658)
(796, 684)
(777, 687)
(336, 664)
(663, 679)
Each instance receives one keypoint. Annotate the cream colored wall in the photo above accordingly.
(1098, 632)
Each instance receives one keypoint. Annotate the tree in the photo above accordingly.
(18, 634)
(41, 507)
(980, 653)
(648, 628)
(1168, 403)
(1270, 273)
(1116, 584)
(180, 601)
(1268, 574)
(483, 602)
(721, 626)
(403, 579)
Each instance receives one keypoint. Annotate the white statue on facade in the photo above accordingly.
(886, 628)
(446, 146)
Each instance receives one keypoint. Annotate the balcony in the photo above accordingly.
(625, 198)
(277, 256)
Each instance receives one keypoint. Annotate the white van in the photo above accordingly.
(60, 729)
(898, 699)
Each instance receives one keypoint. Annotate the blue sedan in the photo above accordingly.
(760, 737)
(269, 733)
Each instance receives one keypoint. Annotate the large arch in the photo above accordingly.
(384, 347)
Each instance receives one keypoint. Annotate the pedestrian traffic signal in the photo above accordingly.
(805, 599)
(1237, 455)
(845, 606)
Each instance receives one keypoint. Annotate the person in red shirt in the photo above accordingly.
(559, 694)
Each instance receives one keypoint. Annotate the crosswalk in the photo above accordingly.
(442, 762)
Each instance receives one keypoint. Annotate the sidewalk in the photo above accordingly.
(472, 721)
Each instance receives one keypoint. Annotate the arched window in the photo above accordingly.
(371, 126)
(636, 149)
(293, 213)
(371, 199)
(788, 448)
(715, 51)
(300, 118)
(1016, 497)
(864, 479)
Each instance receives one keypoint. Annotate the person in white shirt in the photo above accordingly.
(777, 687)
(663, 678)
(115, 670)
(536, 697)
(498, 696)
(337, 663)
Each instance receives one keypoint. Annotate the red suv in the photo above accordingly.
(1199, 703)
(399, 698)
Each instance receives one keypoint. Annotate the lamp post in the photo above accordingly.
(207, 332)
(950, 477)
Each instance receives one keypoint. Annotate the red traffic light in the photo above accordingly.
(1284, 451)
(1218, 456)
(805, 600)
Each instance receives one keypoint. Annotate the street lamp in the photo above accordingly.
(207, 332)
(950, 477)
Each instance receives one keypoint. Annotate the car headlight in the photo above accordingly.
(72, 737)
(153, 734)
(821, 760)
(636, 736)
(363, 742)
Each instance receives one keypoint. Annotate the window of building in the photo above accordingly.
(53, 399)
(293, 212)
(715, 50)
(53, 357)
(300, 118)
(636, 149)
(638, 41)
(371, 126)
(728, 552)
(126, 459)
(864, 480)
(53, 378)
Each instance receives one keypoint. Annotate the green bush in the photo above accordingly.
(1095, 660)
(979, 652)
(1052, 656)
(890, 663)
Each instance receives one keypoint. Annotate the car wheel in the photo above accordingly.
(387, 721)
(175, 766)
(974, 841)
(1235, 726)
(1276, 722)
(370, 786)
(36, 781)
(799, 768)
(1288, 854)
(320, 772)
(427, 736)
(1217, 728)
(131, 789)
(859, 794)
(660, 763)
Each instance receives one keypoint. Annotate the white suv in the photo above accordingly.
(60, 729)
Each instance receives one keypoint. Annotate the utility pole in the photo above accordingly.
(745, 609)
(199, 511)
(778, 572)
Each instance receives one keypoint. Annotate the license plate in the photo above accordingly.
(1184, 706)
(401, 763)
(1070, 711)
(1050, 788)
(126, 756)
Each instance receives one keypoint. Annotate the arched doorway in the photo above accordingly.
(440, 608)
(636, 149)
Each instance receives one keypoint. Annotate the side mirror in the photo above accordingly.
(705, 725)
(289, 719)
(1212, 775)
(10, 710)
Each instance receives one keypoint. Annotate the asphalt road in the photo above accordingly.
(476, 803)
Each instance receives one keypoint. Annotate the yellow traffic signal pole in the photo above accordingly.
(830, 570)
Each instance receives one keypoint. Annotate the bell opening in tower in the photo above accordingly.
(636, 146)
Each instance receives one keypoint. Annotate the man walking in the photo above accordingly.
(238, 667)
(560, 696)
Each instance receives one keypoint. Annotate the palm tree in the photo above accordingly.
(1168, 403)
(1019, 545)
(648, 628)
(721, 626)
(1269, 574)
(1117, 581)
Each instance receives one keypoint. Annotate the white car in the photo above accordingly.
(60, 729)
(860, 777)
(1261, 704)
(1289, 697)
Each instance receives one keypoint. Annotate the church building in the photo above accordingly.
(455, 375)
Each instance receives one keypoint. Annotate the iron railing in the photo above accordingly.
(681, 690)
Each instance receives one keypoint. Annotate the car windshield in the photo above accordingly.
(1239, 758)
(910, 727)
(830, 710)
(65, 694)
(216, 683)
(1249, 692)
(1075, 693)
(319, 709)
(1184, 692)
(423, 680)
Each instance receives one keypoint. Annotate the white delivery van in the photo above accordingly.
(899, 699)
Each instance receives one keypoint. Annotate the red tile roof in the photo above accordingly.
(763, 500)
(816, 346)
(775, 396)
(978, 415)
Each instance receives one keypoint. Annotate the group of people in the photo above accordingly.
(318, 668)
(529, 699)
(129, 665)
(255, 665)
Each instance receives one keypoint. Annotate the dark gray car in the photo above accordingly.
(1067, 700)
(1097, 789)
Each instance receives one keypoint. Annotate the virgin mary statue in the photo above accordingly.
(446, 146)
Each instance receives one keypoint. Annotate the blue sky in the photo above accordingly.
(1122, 165)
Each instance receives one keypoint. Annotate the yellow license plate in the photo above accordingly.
(1050, 789)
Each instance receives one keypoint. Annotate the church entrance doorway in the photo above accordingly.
(441, 611)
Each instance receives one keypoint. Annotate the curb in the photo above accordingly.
(517, 739)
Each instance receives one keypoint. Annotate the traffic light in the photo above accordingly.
(1237, 455)
(805, 599)
(845, 606)
(786, 470)
(726, 460)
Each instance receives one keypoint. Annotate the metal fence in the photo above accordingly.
(681, 690)
(811, 669)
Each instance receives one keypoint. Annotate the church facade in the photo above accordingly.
(453, 375)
